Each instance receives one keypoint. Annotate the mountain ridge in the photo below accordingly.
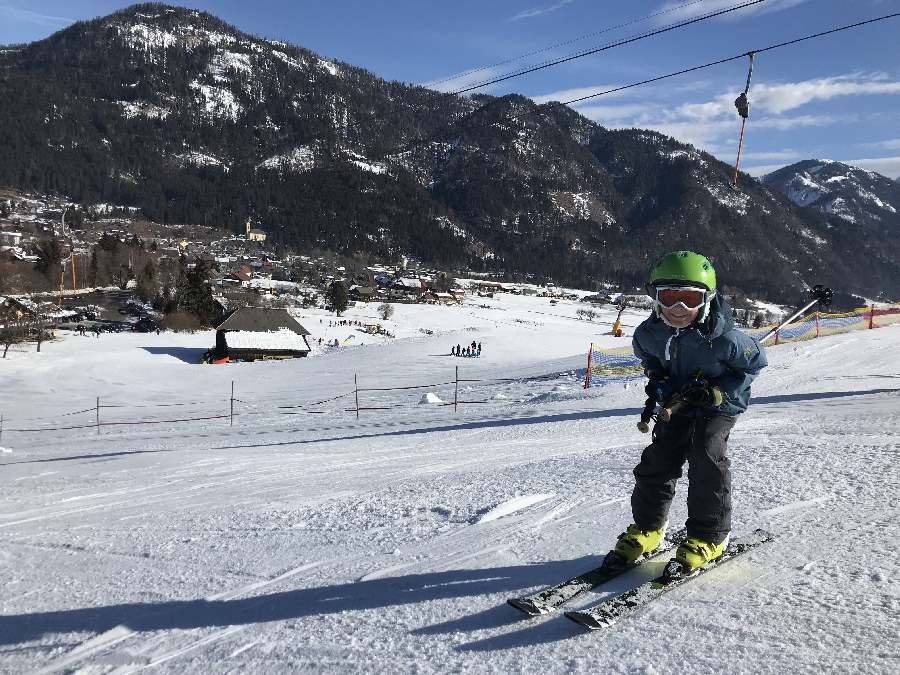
(176, 112)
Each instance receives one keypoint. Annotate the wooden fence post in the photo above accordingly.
(456, 390)
(232, 403)
(356, 392)
(98, 415)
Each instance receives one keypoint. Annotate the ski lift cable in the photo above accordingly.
(720, 61)
(579, 55)
(467, 120)
(541, 50)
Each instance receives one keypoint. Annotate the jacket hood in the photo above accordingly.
(719, 321)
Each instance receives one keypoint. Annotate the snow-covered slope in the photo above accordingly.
(388, 543)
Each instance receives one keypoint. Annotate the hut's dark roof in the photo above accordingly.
(261, 319)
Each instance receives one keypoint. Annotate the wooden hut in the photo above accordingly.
(256, 333)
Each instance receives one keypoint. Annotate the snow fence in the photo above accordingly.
(620, 363)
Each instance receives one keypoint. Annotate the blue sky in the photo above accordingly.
(837, 97)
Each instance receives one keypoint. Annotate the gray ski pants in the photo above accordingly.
(701, 440)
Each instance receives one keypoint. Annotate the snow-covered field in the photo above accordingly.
(316, 541)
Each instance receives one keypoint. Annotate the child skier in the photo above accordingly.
(695, 357)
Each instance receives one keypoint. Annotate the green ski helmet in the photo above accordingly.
(684, 268)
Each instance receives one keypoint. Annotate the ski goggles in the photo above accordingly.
(690, 297)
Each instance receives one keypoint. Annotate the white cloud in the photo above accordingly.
(537, 11)
(569, 94)
(672, 12)
(466, 80)
(763, 169)
(779, 98)
(788, 123)
(30, 16)
(886, 166)
(713, 124)
(892, 144)
(786, 155)
(605, 114)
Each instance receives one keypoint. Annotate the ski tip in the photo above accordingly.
(587, 620)
(528, 607)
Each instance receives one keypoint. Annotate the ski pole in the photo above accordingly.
(820, 294)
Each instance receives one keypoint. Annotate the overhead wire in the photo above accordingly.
(725, 60)
(597, 50)
(466, 120)
(448, 95)
(557, 45)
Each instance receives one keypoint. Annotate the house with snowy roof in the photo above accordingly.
(407, 288)
(257, 333)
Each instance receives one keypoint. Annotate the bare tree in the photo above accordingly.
(12, 332)
(40, 324)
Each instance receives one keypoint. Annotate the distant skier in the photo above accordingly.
(702, 366)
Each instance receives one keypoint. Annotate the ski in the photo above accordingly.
(547, 600)
(606, 613)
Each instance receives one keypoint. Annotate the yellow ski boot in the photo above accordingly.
(635, 542)
(694, 552)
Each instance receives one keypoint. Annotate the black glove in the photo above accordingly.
(701, 393)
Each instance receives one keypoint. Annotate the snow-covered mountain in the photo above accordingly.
(839, 190)
(174, 111)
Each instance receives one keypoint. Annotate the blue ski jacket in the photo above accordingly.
(714, 350)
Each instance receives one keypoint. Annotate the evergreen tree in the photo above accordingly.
(337, 296)
(146, 281)
(93, 269)
(49, 253)
(194, 294)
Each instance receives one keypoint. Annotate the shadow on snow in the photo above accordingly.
(193, 355)
(309, 602)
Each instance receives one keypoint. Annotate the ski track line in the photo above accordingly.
(276, 469)
(556, 512)
(58, 514)
(796, 506)
(92, 646)
(41, 510)
(175, 653)
(113, 636)
(241, 650)
(258, 476)
(443, 554)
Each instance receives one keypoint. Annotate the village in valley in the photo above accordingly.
(95, 270)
